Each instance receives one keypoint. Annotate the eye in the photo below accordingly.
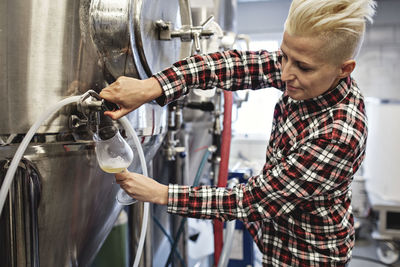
(302, 68)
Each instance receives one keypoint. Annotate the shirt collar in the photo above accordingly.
(311, 107)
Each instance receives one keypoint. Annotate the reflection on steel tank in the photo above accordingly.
(61, 206)
(381, 164)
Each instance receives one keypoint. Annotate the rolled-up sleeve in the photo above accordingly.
(230, 70)
(318, 169)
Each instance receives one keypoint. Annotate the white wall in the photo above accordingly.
(378, 65)
(262, 17)
(378, 69)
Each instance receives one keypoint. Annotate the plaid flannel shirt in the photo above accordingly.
(298, 209)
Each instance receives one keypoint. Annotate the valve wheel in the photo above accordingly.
(387, 252)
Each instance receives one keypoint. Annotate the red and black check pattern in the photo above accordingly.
(298, 209)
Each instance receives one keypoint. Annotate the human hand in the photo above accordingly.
(142, 188)
(129, 94)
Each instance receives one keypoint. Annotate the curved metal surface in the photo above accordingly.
(149, 53)
(150, 119)
(24, 196)
(65, 48)
(109, 29)
(77, 207)
(45, 60)
(126, 37)
(52, 54)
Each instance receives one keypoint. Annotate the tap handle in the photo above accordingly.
(107, 105)
(92, 102)
(196, 38)
(208, 20)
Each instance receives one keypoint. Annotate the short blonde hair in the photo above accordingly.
(340, 22)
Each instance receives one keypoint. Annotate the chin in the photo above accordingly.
(296, 96)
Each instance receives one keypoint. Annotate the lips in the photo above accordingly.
(292, 88)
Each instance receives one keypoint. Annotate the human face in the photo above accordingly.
(306, 72)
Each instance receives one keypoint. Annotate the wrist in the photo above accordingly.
(162, 195)
(154, 89)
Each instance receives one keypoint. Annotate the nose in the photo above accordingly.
(287, 73)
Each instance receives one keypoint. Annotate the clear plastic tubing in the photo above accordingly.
(24, 144)
(28, 137)
(128, 127)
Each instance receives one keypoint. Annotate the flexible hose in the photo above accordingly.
(125, 123)
(24, 144)
(182, 224)
(28, 137)
(223, 169)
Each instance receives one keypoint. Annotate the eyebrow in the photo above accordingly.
(298, 61)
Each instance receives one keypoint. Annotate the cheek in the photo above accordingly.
(307, 82)
(315, 82)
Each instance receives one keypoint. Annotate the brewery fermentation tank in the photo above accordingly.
(61, 205)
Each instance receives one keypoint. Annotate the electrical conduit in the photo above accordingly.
(223, 169)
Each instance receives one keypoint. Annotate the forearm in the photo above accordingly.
(205, 202)
(230, 70)
(277, 192)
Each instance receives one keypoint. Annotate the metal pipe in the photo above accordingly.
(185, 11)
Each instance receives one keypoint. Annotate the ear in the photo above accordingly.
(347, 68)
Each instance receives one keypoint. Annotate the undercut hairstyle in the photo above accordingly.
(340, 23)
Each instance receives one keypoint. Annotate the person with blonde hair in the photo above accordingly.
(298, 208)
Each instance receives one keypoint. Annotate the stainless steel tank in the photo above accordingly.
(52, 49)
(60, 212)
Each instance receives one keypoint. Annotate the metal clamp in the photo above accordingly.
(187, 33)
